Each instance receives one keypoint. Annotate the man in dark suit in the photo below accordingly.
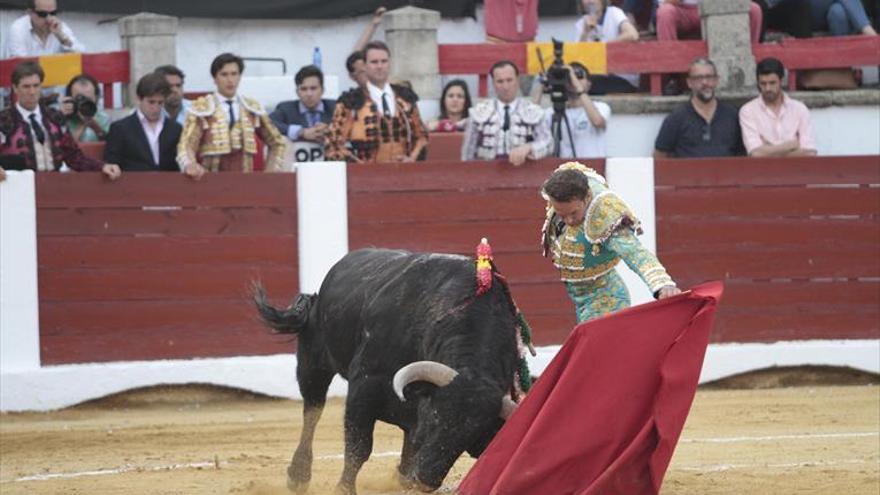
(146, 141)
(308, 118)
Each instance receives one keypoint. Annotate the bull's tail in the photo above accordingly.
(292, 319)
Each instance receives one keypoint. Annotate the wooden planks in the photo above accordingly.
(157, 266)
(795, 240)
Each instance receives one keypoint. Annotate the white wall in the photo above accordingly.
(199, 40)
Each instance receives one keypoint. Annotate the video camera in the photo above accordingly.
(556, 77)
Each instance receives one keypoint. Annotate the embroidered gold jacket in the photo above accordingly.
(207, 136)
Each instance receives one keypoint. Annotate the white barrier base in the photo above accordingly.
(55, 387)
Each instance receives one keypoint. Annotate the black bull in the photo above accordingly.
(379, 311)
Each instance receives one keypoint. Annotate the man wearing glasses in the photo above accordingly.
(40, 32)
(701, 126)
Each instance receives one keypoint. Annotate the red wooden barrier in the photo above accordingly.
(663, 57)
(156, 266)
(445, 146)
(796, 241)
(107, 68)
(821, 53)
(449, 206)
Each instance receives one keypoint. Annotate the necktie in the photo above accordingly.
(231, 114)
(38, 129)
(506, 125)
(385, 109)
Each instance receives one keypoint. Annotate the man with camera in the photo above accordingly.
(584, 121)
(34, 136)
(40, 32)
(506, 127)
(87, 123)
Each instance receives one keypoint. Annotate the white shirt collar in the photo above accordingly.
(499, 105)
(376, 96)
(25, 114)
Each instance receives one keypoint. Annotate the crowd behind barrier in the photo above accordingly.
(387, 124)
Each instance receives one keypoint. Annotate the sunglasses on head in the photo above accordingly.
(46, 13)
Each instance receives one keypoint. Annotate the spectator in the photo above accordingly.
(394, 133)
(146, 140)
(682, 18)
(35, 135)
(641, 13)
(355, 61)
(369, 30)
(454, 105)
(357, 70)
(85, 119)
(40, 32)
(587, 119)
(609, 24)
(841, 17)
(176, 105)
(308, 118)
(790, 16)
(506, 127)
(774, 124)
(221, 128)
(702, 126)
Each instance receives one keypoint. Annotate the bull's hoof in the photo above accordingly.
(414, 483)
(300, 487)
(425, 488)
(342, 489)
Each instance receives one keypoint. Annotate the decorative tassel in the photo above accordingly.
(484, 267)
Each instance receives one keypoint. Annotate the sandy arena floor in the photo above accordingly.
(819, 439)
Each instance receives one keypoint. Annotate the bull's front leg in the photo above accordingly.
(313, 386)
(407, 460)
(362, 406)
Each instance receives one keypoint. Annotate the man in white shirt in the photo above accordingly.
(506, 127)
(587, 119)
(40, 32)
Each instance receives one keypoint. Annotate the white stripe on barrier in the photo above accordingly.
(19, 310)
(322, 215)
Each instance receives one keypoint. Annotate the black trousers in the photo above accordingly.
(790, 16)
(603, 85)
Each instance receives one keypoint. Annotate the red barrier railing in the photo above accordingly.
(108, 68)
(794, 239)
(656, 58)
(156, 266)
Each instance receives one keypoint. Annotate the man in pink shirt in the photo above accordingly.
(774, 124)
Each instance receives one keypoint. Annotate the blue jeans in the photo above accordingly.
(841, 17)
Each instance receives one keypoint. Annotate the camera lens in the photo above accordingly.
(84, 106)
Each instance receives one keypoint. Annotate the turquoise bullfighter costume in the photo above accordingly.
(586, 255)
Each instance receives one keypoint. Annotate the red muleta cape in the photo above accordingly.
(606, 414)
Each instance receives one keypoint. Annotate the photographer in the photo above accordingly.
(87, 123)
(587, 119)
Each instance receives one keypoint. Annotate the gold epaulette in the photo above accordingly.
(606, 213)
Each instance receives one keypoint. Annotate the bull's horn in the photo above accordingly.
(507, 407)
(428, 371)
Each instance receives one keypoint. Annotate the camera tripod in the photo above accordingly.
(559, 118)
